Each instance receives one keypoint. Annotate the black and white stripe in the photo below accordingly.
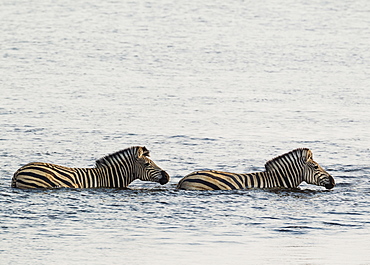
(116, 170)
(286, 171)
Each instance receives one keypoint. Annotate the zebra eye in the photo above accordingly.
(147, 164)
(316, 167)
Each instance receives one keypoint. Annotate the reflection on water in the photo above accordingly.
(308, 226)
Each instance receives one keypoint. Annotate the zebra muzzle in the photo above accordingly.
(331, 183)
(165, 178)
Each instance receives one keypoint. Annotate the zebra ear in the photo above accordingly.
(143, 151)
(309, 154)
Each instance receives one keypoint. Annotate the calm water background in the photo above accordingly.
(223, 85)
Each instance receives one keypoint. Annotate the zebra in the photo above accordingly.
(285, 171)
(116, 170)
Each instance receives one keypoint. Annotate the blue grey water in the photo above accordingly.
(211, 84)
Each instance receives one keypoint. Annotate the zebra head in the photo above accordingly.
(315, 174)
(146, 169)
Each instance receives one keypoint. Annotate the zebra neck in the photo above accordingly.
(268, 179)
(105, 177)
(117, 177)
(277, 179)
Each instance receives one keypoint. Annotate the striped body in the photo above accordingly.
(286, 171)
(117, 170)
(218, 180)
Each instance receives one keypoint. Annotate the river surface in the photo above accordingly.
(224, 85)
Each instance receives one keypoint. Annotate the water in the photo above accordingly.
(203, 85)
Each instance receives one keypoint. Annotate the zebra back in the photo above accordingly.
(44, 175)
(212, 180)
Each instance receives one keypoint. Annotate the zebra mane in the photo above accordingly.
(297, 154)
(134, 151)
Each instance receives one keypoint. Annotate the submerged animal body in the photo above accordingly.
(116, 170)
(285, 171)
